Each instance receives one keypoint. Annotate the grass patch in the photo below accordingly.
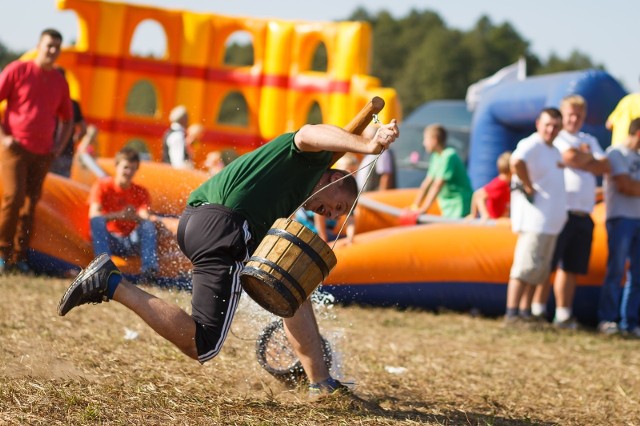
(419, 367)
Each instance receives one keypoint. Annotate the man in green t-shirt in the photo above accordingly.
(447, 179)
(224, 221)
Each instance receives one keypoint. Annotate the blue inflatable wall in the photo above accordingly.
(508, 111)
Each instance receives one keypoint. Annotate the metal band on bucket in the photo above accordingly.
(283, 272)
(315, 257)
(276, 285)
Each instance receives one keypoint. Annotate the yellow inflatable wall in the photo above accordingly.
(279, 88)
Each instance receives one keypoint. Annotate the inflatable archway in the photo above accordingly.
(508, 111)
(278, 87)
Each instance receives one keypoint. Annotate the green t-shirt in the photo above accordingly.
(454, 198)
(266, 184)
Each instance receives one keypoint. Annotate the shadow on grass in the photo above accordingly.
(457, 417)
(356, 406)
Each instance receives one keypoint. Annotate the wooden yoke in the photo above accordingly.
(361, 121)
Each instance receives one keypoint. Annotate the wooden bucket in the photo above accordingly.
(288, 265)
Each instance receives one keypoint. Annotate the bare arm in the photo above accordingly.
(385, 181)
(519, 168)
(144, 213)
(422, 191)
(5, 139)
(433, 192)
(479, 203)
(609, 124)
(585, 161)
(627, 186)
(351, 229)
(128, 213)
(326, 137)
(320, 223)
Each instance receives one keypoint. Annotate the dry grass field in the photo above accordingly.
(102, 365)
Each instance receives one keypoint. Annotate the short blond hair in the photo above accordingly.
(574, 101)
(503, 162)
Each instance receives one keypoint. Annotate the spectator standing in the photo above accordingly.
(620, 118)
(618, 308)
(37, 96)
(584, 159)
(446, 179)
(538, 211)
(120, 218)
(176, 142)
(492, 200)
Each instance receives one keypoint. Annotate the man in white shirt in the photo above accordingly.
(584, 159)
(538, 210)
(176, 143)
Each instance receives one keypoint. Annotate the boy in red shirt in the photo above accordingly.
(492, 200)
(119, 213)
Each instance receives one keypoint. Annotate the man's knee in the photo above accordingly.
(208, 341)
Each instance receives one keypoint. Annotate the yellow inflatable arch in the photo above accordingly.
(279, 87)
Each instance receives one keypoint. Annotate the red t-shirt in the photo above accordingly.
(113, 199)
(498, 197)
(35, 99)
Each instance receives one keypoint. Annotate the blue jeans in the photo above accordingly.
(623, 242)
(142, 241)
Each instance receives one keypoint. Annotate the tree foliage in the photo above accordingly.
(424, 59)
(7, 55)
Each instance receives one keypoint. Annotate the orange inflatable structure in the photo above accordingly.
(452, 264)
(279, 88)
(456, 265)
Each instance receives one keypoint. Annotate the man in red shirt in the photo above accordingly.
(119, 213)
(37, 96)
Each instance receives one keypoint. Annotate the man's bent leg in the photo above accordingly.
(102, 281)
(304, 336)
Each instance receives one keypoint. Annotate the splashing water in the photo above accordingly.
(251, 318)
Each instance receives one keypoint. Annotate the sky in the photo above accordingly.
(606, 31)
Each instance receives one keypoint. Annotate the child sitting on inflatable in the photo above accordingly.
(492, 200)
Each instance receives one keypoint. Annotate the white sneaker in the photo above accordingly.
(608, 327)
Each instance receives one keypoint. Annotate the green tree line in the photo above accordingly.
(424, 59)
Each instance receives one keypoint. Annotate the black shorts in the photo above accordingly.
(218, 242)
(573, 248)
